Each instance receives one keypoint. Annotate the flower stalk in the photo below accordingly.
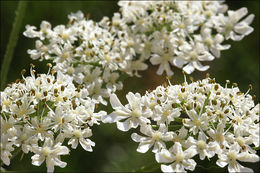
(19, 14)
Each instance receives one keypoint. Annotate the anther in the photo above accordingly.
(23, 71)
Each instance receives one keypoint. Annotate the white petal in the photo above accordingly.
(236, 168)
(59, 163)
(190, 164)
(168, 69)
(246, 157)
(241, 12)
(144, 147)
(178, 62)
(123, 126)
(221, 163)
(160, 70)
(190, 152)
(243, 29)
(167, 168)
(50, 165)
(244, 169)
(115, 103)
(62, 150)
(137, 138)
(37, 159)
(86, 144)
(164, 156)
(249, 19)
(235, 37)
(155, 59)
(189, 68)
(132, 100)
(176, 148)
(111, 118)
(73, 142)
(199, 66)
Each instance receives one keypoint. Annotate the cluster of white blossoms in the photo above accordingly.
(201, 118)
(179, 33)
(85, 51)
(40, 113)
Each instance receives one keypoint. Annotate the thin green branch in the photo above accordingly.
(12, 41)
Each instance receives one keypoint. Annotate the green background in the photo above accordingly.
(114, 150)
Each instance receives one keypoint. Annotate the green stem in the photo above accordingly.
(206, 103)
(256, 148)
(12, 41)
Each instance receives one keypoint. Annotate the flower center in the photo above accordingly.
(179, 157)
(77, 133)
(6, 126)
(44, 48)
(46, 151)
(21, 112)
(197, 122)
(193, 55)
(229, 26)
(70, 70)
(6, 102)
(232, 156)
(65, 55)
(201, 145)
(208, 41)
(238, 119)
(219, 137)
(136, 113)
(240, 141)
(181, 25)
(59, 98)
(166, 113)
(38, 95)
(65, 36)
(40, 129)
(157, 136)
(107, 58)
(166, 57)
(23, 137)
(60, 120)
(152, 104)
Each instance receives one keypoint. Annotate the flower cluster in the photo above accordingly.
(41, 113)
(179, 33)
(201, 118)
(38, 113)
(83, 50)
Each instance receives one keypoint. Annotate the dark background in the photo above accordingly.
(114, 150)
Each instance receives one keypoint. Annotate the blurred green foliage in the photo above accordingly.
(114, 150)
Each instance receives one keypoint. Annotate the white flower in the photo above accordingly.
(132, 113)
(164, 61)
(200, 118)
(79, 136)
(232, 156)
(232, 27)
(51, 153)
(6, 149)
(48, 109)
(192, 55)
(203, 149)
(181, 159)
(153, 137)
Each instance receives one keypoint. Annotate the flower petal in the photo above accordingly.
(123, 126)
(144, 147)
